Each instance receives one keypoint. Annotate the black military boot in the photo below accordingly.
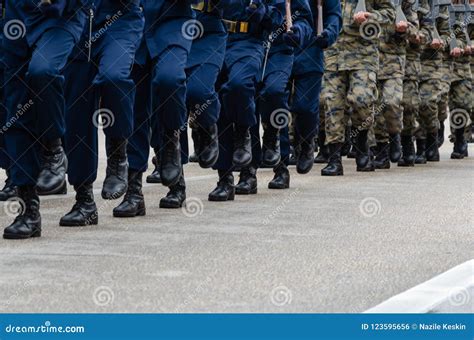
(334, 167)
(170, 165)
(115, 182)
(395, 148)
(176, 196)
(363, 161)
(281, 180)
(432, 151)
(225, 190)
(193, 158)
(420, 151)
(293, 155)
(133, 203)
(271, 146)
(242, 147)
(346, 147)
(84, 212)
(247, 181)
(28, 223)
(408, 151)
(52, 177)
(322, 156)
(441, 134)
(352, 152)
(305, 160)
(382, 160)
(209, 146)
(459, 144)
(155, 176)
(9, 190)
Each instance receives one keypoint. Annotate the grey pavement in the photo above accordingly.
(325, 245)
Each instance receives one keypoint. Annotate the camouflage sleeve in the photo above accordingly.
(384, 12)
(426, 25)
(412, 17)
(443, 26)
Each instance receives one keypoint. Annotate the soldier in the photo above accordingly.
(461, 82)
(389, 109)
(98, 82)
(293, 29)
(411, 92)
(160, 74)
(431, 83)
(9, 190)
(33, 80)
(350, 79)
(245, 22)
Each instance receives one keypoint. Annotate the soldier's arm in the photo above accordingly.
(384, 12)
(303, 18)
(332, 17)
(413, 23)
(443, 27)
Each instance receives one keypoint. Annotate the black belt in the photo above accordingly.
(236, 26)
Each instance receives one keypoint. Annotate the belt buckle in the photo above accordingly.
(233, 26)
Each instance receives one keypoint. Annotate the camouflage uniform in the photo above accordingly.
(431, 79)
(393, 50)
(460, 93)
(351, 70)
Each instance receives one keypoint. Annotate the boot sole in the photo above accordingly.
(60, 190)
(365, 170)
(94, 221)
(406, 165)
(432, 160)
(153, 181)
(218, 199)
(21, 237)
(278, 187)
(141, 212)
(304, 172)
(113, 196)
(333, 175)
(383, 167)
(166, 205)
(245, 192)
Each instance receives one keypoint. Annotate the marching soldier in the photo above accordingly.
(33, 66)
(389, 109)
(99, 82)
(159, 73)
(431, 83)
(9, 190)
(293, 30)
(350, 79)
(245, 22)
(460, 100)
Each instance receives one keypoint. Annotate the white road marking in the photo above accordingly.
(449, 292)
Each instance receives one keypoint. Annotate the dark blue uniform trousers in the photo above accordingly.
(243, 60)
(107, 79)
(34, 75)
(4, 159)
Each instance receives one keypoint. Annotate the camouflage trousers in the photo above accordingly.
(430, 92)
(411, 97)
(389, 109)
(355, 90)
(460, 103)
(446, 71)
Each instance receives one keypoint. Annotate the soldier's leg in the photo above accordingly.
(334, 102)
(380, 151)
(306, 108)
(411, 104)
(459, 108)
(81, 141)
(443, 110)
(362, 95)
(430, 90)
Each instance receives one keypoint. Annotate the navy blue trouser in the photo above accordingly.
(305, 105)
(106, 80)
(242, 63)
(147, 130)
(34, 97)
(4, 159)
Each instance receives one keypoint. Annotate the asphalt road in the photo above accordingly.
(325, 245)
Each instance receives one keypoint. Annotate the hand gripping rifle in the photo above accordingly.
(400, 16)
(453, 10)
(435, 14)
(288, 16)
(320, 24)
(361, 7)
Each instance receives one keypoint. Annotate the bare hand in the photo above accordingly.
(456, 52)
(361, 17)
(436, 43)
(401, 27)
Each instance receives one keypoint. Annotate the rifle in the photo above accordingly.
(45, 3)
(320, 28)
(435, 14)
(361, 7)
(452, 22)
(288, 17)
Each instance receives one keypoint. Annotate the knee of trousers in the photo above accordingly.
(41, 72)
(168, 84)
